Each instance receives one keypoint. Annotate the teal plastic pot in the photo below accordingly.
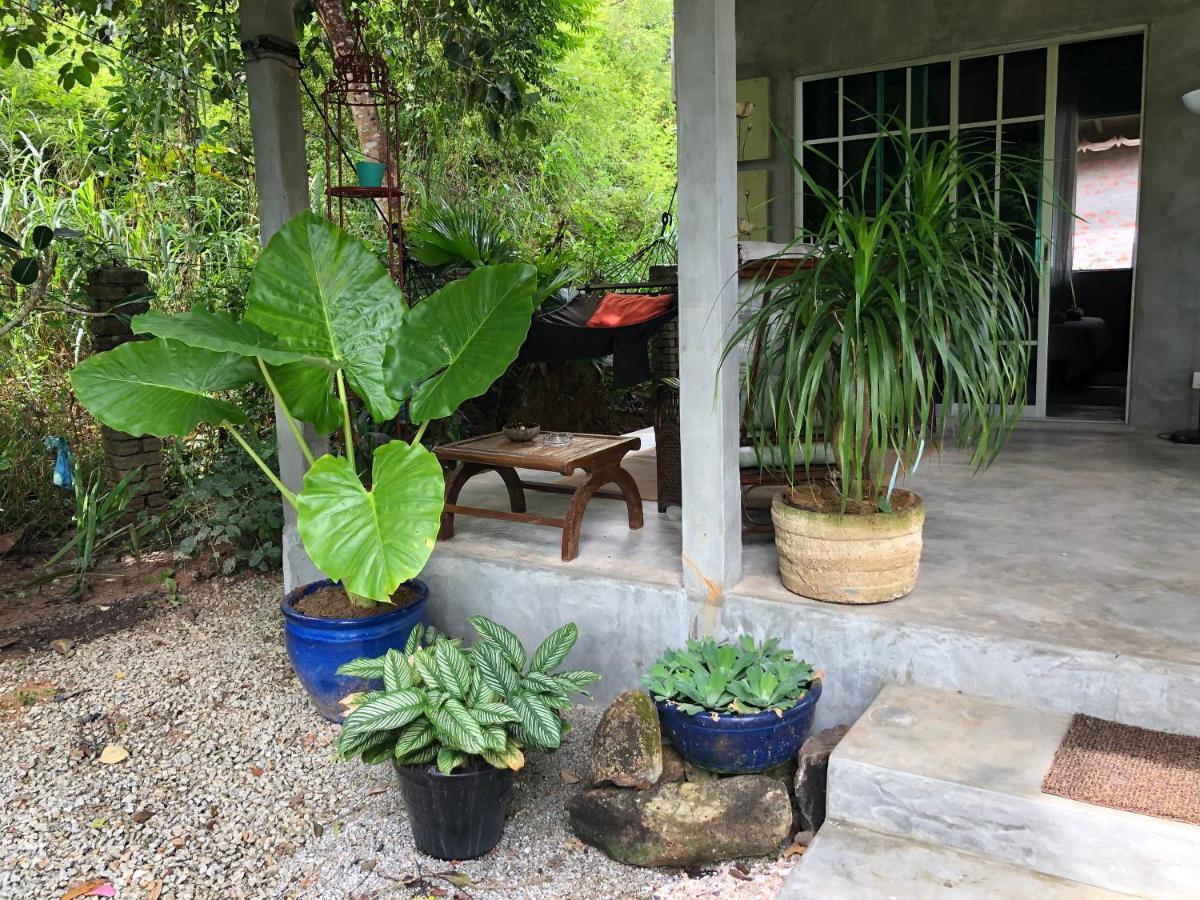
(370, 174)
(317, 647)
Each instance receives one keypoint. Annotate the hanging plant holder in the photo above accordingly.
(361, 87)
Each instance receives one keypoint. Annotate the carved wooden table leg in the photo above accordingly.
(454, 487)
(608, 474)
(512, 481)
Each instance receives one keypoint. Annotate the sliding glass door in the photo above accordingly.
(999, 104)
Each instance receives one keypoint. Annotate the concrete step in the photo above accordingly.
(953, 770)
(850, 863)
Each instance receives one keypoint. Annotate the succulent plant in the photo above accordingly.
(730, 677)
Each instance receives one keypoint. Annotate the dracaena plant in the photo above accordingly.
(324, 320)
(448, 704)
(740, 677)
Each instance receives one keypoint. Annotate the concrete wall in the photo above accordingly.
(783, 39)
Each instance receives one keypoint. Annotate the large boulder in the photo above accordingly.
(627, 746)
(812, 776)
(685, 823)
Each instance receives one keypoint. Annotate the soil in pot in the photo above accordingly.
(332, 602)
(824, 498)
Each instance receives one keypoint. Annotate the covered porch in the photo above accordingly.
(1060, 576)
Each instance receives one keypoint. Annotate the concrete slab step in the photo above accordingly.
(850, 863)
(953, 770)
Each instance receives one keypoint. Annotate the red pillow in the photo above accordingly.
(616, 310)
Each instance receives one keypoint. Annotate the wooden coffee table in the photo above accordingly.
(597, 454)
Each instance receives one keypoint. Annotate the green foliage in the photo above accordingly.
(913, 303)
(448, 235)
(333, 304)
(446, 703)
(227, 511)
(739, 677)
(98, 511)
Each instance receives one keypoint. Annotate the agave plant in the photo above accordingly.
(445, 704)
(910, 300)
(740, 677)
(324, 320)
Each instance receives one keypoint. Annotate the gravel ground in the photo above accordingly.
(229, 789)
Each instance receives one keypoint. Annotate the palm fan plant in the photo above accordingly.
(909, 301)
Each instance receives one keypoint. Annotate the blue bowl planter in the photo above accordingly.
(739, 745)
(317, 647)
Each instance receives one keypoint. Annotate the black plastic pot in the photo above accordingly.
(457, 816)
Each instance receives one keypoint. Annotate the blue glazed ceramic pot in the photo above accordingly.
(739, 745)
(317, 647)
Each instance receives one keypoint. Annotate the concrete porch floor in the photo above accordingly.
(1068, 572)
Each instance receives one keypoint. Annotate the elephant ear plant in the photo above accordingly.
(456, 722)
(323, 319)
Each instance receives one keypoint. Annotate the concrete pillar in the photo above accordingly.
(109, 288)
(281, 179)
(705, 61)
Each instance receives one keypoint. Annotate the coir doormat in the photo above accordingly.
(1124, 767)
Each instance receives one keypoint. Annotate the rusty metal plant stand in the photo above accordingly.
(596, 454)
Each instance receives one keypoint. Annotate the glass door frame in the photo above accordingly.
(1045, 218)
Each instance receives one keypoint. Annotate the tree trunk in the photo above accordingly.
(335, 22)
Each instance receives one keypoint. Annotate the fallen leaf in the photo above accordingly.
(142, 815)
(119, 675)
(368, 865)
(378, 789)
(573, 843)
(794, 850)
(156, 889)
(97, 822)
(318, 829)
(113, 753)
(458, 879)
(256, 771)
(63, 646)
(85, 889)
(178, 842)
(568, 776)
(104, 890)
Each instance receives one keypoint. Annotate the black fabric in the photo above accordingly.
(552, 342)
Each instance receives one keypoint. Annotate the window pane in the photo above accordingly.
(820, 109)
(872, 98)
(977, 84)
(1025, 84)
(931, 95)
(824, 172)
(1021, 151)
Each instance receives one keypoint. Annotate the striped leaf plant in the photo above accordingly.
(446, 704)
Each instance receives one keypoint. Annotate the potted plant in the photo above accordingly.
(369, 171)
(456, 723)
(323, 321)
(735, 707)
(910, 301)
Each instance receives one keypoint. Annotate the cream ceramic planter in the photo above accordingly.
(849, 558)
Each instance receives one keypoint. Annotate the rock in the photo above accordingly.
(685, 823)
(672, 765)
(698, 775)
(627, 745)
(812, 773)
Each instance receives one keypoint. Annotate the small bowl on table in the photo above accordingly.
(515, 431)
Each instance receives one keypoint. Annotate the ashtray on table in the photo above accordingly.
(556, 438)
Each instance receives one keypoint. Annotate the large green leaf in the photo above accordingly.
(493, 634)
(457, 342)
(554, 649)
(326, 296)
(393, 710)
(309, 394)
(214, 331)
(160, 387)
(372, 540)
